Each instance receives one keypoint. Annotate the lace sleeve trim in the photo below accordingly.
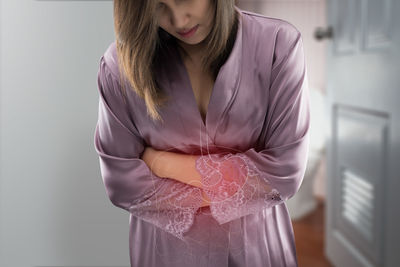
(172, 209)
(235, 186)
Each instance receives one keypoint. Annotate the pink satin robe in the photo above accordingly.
(252, 148)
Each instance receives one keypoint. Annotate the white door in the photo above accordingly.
(53, 207)
(363, 87)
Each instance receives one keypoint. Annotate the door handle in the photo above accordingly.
(323, 33)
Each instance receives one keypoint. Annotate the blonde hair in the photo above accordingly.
(139, 41)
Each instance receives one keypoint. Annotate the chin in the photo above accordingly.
(190, 43)
(195, 41)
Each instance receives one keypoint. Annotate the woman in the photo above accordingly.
(211, 137)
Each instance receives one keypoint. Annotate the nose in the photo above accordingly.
(180, 18)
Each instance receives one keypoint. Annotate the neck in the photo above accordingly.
(192, 53)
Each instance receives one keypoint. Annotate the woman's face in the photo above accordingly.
(177, 16)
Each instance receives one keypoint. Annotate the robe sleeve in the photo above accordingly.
(239, 184)
(129, 183)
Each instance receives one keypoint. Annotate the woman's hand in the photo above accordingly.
(206, 200)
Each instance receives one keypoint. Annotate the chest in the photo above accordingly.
(202, 85)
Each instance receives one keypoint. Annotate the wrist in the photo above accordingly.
(206, 200)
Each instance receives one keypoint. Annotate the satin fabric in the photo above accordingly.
(259, 107)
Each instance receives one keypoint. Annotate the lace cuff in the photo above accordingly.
(171, 208)
(235, 186)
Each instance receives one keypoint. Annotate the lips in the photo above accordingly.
(188, 31)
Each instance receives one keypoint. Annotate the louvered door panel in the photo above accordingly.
(361, 139)
(358, 203)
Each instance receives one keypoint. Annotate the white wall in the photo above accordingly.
(53, 207)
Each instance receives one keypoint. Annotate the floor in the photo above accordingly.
(309, 236)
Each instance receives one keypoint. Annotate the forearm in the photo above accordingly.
(180, 167)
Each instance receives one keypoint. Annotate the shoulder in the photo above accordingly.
(111, 60)
(271, 37)
(273, 27)
(108, 76)
(276, 33)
